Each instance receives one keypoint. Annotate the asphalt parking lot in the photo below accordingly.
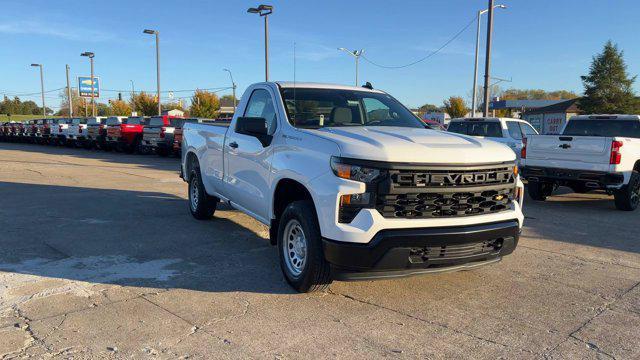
(99, 258)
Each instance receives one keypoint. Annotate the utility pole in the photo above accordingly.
(90, 55)
(69, 93)
(233, 86)
(487, 64)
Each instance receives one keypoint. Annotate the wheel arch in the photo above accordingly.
(190, 159)
(286, 191)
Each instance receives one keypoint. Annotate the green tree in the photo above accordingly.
(78, 104)
(145, 104)
(455, 107)
(204, 104)
(607, 87)
(120, 108)
(102, 109)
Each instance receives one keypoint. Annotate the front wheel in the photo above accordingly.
(628, 197)
(539, 191)
(201, 204)
(300, 246)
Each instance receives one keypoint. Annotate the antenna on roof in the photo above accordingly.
(368, 85)
(295, 108)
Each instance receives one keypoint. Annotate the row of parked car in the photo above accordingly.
(155, 134)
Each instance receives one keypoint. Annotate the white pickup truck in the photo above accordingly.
(593, 152)
(353, 186)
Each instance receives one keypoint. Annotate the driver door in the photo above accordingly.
(248, 161)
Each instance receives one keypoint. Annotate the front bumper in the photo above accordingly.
(590, 178)
(404, 252)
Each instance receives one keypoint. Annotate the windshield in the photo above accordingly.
(317, 108)
(605, 128)
(113, 121)
(476, 128)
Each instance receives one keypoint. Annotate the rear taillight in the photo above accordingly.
(523, 152)
(162, 132)
(616, 156)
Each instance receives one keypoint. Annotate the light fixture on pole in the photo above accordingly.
(91, 55)
(233, 86)
(475, 66)
(157, 34)
(356, 54)
(44, 109)
(264, 11)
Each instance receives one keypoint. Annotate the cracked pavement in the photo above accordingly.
(101, 259)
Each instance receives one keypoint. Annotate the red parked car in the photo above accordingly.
(126, 136)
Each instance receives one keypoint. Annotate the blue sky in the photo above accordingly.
(539, 44)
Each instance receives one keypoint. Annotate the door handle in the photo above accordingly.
(233, 145)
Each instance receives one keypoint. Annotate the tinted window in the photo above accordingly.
(514, 130)
(156, 121)
(113, 121)
(134, 121)
(316, 108)
(477, 128)
(93, 121)
(261, 105)
(606, 128)
(528, 129)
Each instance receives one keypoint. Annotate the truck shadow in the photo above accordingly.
(109, 158)
(132, 238)
(585, 219)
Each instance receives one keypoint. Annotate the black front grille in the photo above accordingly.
(438, 193)
(453, 252)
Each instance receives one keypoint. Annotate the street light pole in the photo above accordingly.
(264, 11)
(487, 62)
(90, 55)
(356, 54)
(70, 100)
(44, 108)
(133, 94)
(233, 86)
(475, 65)
(157, 34)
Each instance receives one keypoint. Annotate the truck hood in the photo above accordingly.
(414, 145)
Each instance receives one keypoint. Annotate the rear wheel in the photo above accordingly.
(539, 190)
(300, 247)
(628, 197)
(201, 204)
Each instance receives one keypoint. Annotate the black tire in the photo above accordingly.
(201, 204)
(315, 272)
(539, 191)
(628, 198)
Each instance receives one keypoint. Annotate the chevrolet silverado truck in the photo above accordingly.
(76, 131)
(593, 152)
(95, 132)
(127, 135)
(157, 135)
(353, 186)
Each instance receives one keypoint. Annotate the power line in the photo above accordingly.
(35, 93)
(426, 57)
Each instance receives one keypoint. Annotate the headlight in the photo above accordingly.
(353, 172)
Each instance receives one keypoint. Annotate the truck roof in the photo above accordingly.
(313, 85)
(606, 117)
(494, 119)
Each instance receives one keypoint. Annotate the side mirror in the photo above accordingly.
(256, 127)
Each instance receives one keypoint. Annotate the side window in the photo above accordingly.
(376, 110)
(261, 105)
(528, 130)
(514, 130)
